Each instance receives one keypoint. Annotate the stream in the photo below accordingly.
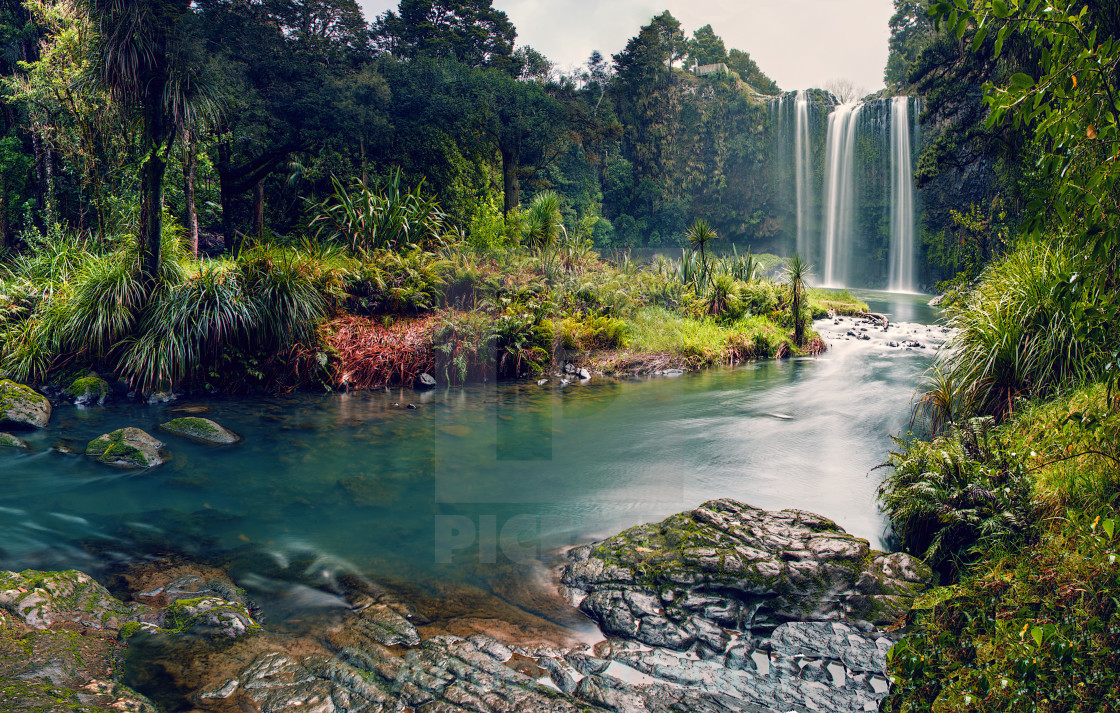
(470, 491)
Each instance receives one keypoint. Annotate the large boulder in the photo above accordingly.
(202, 430)
(22, 407)
(738, 567)
(126, 448)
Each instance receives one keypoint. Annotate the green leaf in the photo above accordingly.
(979, 39)
(1020, 81)
(1036, 634)
(1109, 526)
(999, 8)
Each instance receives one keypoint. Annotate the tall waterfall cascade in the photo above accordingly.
(803, 172)
(839, 193)
(902, 200)
(844, 182)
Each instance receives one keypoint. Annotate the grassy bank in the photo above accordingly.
(328, 313)
(1014, 503)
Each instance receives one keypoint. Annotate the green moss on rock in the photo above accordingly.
(126, 448)
(22, 407)
(200, 429)
(7, 440)
(89, 390)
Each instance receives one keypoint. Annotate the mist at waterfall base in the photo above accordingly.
(846, 171)
(469, 491)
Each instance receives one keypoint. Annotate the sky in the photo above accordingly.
(800, 44)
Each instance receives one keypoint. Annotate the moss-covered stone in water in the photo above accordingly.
(7, 440)
(200, 429)
(127, 448)
(89, 390)
(22, 407)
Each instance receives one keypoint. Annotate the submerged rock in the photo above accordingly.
(425, 381)
(7, 440)
(200, 429)
(126, 448)
(89, 390)
(22, 407)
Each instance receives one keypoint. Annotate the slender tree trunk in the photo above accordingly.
(258, 209)
(362, 148)
(225, 189)
(151, 197)
(511, 189)
(190, 171)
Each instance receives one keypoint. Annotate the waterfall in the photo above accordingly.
(902, 199)
(839, 192)
(803, 173)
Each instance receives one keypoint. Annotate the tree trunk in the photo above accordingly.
(151, 195)
(225, 188)
(190, 170)
(511, 189)
(258, 209)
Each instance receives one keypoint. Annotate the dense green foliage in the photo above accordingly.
(1020, 518)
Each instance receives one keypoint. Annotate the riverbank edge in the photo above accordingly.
(43, 613)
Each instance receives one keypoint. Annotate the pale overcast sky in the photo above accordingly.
(799, 43)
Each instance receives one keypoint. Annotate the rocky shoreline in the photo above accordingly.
(722, 608)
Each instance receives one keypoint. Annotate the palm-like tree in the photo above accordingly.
(698, 235)
(796, 271)
(141, 59)
(544, 222)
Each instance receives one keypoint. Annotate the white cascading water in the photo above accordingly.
(839, 192)
(803, 170)
(902, 199)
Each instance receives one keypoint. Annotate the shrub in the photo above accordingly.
(591, 333)
(958, 497)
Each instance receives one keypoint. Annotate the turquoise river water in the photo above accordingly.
(477, 484)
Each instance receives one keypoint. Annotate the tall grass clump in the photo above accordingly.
(1024, 331)
(366, 218)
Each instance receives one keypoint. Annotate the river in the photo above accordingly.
(476, 485)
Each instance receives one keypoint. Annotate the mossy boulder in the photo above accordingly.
(7, 440)
(22, 407)
(126, 448)
(89, 390)
(202, 430)
(43, 599)
(727, 564)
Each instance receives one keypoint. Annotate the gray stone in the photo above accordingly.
(425, 381)
(126, 448)
(22, 407)
(202, 430)
(7, 440)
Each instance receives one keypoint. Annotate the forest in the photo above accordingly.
(216, 197)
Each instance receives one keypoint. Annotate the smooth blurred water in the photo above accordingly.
(475, 479)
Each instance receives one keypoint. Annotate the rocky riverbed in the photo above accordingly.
(722, 608)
